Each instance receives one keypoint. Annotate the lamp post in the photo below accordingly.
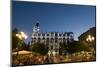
(90, 39)
(22, 36)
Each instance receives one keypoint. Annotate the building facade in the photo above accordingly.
(51, 39)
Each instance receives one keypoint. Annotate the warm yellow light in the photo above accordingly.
(23, 35)
(19, 36)
(90, 38)
(93, 38)
(54, 53)
(87, 39)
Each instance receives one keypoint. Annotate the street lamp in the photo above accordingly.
(22, 36)
(90, 38)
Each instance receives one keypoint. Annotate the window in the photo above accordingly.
(55, 34)
(39, 34)
(39, 38)
(59, 34)
(63, 34)
(43, 34)
(35, 35)
(47, 34)
(43, 38)
(34, 38)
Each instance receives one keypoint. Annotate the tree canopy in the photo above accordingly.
(39, 48)
(15, 40)
(17, 43)
(77, 46)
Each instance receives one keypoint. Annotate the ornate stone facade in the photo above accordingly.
(50, 39)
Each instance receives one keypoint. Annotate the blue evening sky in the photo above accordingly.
(53, 17)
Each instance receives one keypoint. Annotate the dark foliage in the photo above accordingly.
(39, 48)
(77, 46)
(15, 40)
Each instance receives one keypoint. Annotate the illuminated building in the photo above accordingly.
(50, 39)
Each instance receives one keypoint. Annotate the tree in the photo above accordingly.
(39, 48)
(77, 46)
(63, 48)
(25, 46)
(15, 40)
